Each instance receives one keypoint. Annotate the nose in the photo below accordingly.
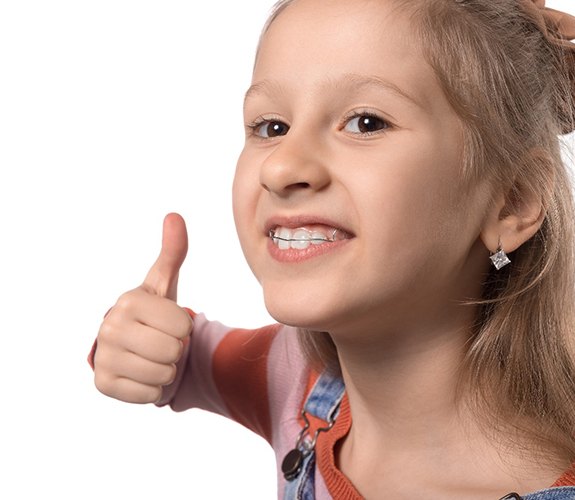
(294, 167)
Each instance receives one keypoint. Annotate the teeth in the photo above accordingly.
(283, 239)
(317, 238)
(301, 238)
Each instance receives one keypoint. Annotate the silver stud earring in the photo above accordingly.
(499, 258)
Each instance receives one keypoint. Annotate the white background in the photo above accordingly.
(113, 113)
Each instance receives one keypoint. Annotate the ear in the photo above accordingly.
(513, 218)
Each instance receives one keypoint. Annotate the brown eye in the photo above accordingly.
(365, 124)
(269, 129)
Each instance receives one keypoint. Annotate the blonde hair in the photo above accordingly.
(511, 87)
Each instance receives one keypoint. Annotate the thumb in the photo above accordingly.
(162, 278)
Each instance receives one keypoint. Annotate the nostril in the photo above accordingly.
(296, 186)
(299, 185)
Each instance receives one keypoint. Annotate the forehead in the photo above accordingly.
(319, 40)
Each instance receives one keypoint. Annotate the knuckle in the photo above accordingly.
(112, 337)
(107, 332)
(106, 362)
(104, 383)
(127, 302)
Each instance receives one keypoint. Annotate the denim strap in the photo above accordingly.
(325, 397)
(322, 402)
(557, 493)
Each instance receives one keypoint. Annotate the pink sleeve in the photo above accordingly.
(224, 370)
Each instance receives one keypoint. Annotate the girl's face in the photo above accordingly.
(348, 132)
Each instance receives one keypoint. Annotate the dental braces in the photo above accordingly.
(273, 236)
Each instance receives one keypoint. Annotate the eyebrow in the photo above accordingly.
(264, 87)
(381, 83)
(353, 80)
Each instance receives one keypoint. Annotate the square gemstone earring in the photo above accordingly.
(499, 258)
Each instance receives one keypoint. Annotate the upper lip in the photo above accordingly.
(297, 221)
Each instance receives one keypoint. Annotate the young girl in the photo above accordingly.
(402, 200)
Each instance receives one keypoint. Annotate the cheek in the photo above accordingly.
(404, 199)
(237, 196)
(241, 188)
(245, 190)
(413, 214)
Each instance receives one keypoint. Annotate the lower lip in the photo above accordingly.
(294, 256)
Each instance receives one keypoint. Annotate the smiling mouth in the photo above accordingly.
(302, 237)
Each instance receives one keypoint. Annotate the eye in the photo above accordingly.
(365, 124)
(267, 129)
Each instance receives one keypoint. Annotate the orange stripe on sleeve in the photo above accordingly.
(568, 478)
(239, 369)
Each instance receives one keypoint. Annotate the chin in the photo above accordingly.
(300, 313)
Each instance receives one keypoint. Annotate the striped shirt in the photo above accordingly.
(260, 379)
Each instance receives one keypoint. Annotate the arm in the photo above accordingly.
(150, 350)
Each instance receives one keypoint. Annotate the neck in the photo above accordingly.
(404, 384)
(406, 398)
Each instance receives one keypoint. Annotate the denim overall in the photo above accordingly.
(323, 402)
(560, 493)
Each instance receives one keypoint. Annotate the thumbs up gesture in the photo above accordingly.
(142, 336)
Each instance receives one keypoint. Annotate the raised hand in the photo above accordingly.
(142, 336)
